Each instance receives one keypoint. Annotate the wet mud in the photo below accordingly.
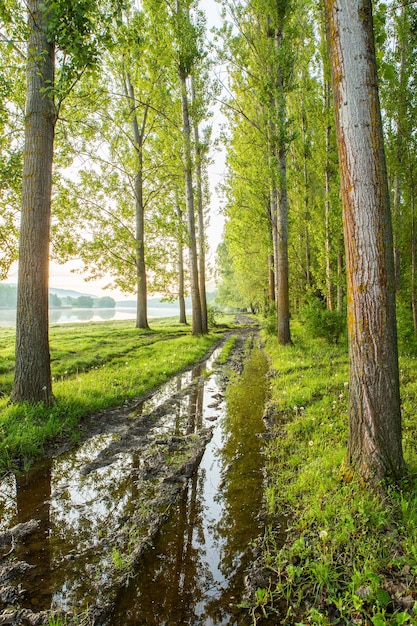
(151, 519)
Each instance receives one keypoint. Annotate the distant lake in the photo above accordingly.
(66, 316)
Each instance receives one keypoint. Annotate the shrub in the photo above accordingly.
(321, 322)
(407, 338)
(269, 323)
(212, 315)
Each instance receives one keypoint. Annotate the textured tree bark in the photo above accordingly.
(375, 446)
(32, 379)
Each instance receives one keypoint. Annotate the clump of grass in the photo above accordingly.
(94, 367)
(227, 348)
(350, 555)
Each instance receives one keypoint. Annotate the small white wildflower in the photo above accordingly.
(302, 408)
(346, 385)
(323, 534)
(311, 443)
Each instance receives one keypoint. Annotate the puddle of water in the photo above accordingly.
(83, 498)
(195, 571)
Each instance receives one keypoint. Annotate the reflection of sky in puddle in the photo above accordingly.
(200, 555)
(82, 512)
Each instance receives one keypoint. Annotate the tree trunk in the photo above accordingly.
(341, 273)
(413, 264)
(329, 282)
(281, 267)
(141, 288)
(201, 227)
(397, 222)
(306, 218)
(181, 288)
(32, 379)
(401, 139)
(197, 324)
(271, 279)
(375, 446)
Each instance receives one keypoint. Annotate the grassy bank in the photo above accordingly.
(347, 555)
(94, 366)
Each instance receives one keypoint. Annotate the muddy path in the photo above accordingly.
(144, 521)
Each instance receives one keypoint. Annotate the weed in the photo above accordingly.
(120, 561)
(95, 366)
(55, 620)
(349, 555)
(227, 348)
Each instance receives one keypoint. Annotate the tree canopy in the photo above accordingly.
(128, 89)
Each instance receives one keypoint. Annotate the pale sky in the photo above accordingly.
(64, 277)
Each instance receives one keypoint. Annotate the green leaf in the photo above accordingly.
(383, 597)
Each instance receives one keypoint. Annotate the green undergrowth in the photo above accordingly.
(349, 556)
(94, 366)
(227, 348)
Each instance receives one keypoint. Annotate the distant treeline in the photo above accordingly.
(82, 302)
(8, 300)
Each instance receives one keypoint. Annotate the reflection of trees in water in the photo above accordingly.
(195, 407)
(177, 583)
(80, 315)
(88, 510)
(241, 495)
(33, 494)
(174, 577)
(82, 511)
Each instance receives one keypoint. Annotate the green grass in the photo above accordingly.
(350, 555)
(227, 348)
(94, 366)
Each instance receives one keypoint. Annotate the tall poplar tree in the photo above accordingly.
(375, 444)
(32, 380)
(188, 53)
(277, 17)
(77, 29)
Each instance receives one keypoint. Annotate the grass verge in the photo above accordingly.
(349, 556)
(94, 366)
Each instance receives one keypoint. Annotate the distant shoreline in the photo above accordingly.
(61, 315)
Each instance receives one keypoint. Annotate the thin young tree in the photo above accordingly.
(375, 444)
(198, 149)
(188, 54)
